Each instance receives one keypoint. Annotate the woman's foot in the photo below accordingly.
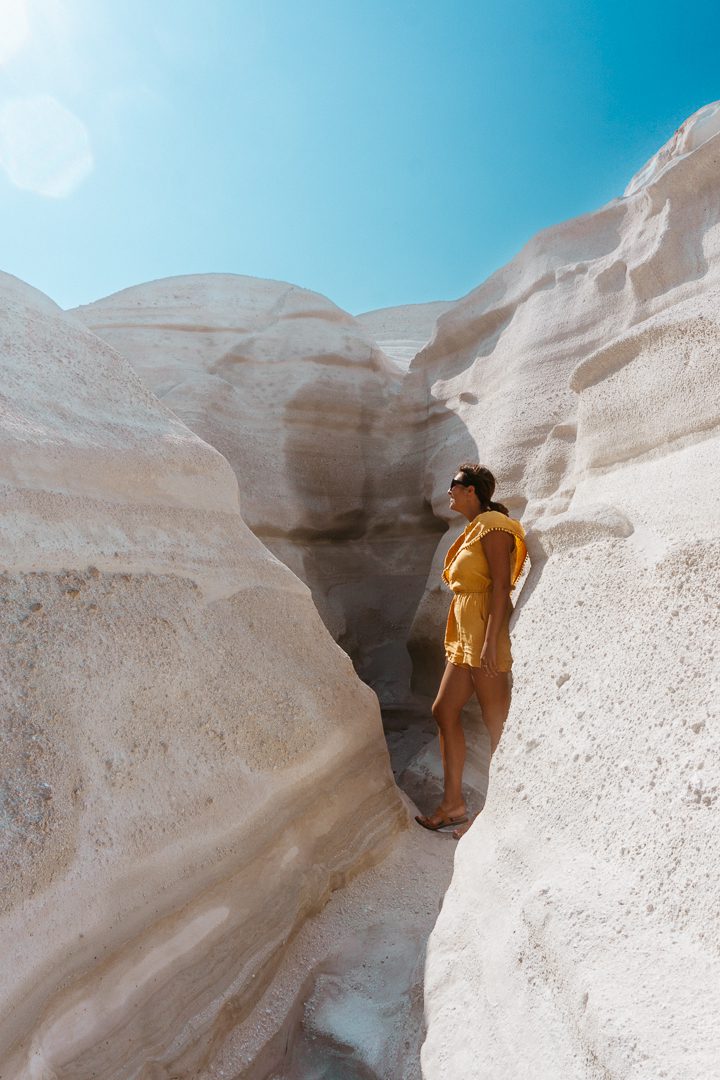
(463, 828)
(443, 817)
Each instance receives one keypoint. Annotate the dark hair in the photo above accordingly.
(483, 481)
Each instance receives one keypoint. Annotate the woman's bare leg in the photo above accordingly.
(493, 692)
(456, 689)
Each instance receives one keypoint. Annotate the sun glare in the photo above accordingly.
(14, 27)
(44, 147)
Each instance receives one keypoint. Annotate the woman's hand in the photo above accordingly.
(488, 658)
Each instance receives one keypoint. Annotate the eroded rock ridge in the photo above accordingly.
(179, 812)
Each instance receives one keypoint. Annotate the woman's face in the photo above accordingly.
(462, 498)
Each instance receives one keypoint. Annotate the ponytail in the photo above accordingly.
(483, 481)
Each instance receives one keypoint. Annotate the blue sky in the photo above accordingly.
(379, 153)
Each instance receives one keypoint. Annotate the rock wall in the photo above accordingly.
(164, 736)
(577, 939)
(315, 420)
(401, 332)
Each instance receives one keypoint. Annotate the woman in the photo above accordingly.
(481, 568)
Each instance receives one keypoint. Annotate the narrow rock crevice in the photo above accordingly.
(230, 883)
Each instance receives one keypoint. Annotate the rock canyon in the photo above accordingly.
(224, 517)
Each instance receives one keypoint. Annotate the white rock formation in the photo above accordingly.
(578, 940)
(697, 129)
(579, 937)
(347, 1000)
(190, 764)
(401, 332)
(307, 409)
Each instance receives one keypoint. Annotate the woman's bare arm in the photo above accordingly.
(497, 546)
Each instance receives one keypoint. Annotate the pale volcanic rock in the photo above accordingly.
(164, 736)
(308, 410)
(252, 366)
(403, 331)
(578, 938)
(347, 1000)
(696, 130)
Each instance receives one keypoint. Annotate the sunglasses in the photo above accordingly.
(462, 481)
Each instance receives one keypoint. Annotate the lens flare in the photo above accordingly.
(44, 147)
(14, 28)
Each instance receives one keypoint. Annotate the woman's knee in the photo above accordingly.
(444, 715)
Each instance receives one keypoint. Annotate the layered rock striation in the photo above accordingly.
(164, 737)
(315, 420)
(576, 939)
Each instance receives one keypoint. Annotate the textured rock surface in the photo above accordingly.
(578, 938)
(312, 416)
(402, 332)
(164, 738)
(348, 1002)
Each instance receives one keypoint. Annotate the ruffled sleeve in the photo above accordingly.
(494, 521)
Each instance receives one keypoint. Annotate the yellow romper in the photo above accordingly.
(467, 573)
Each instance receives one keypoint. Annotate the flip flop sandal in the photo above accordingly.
(446, 823)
